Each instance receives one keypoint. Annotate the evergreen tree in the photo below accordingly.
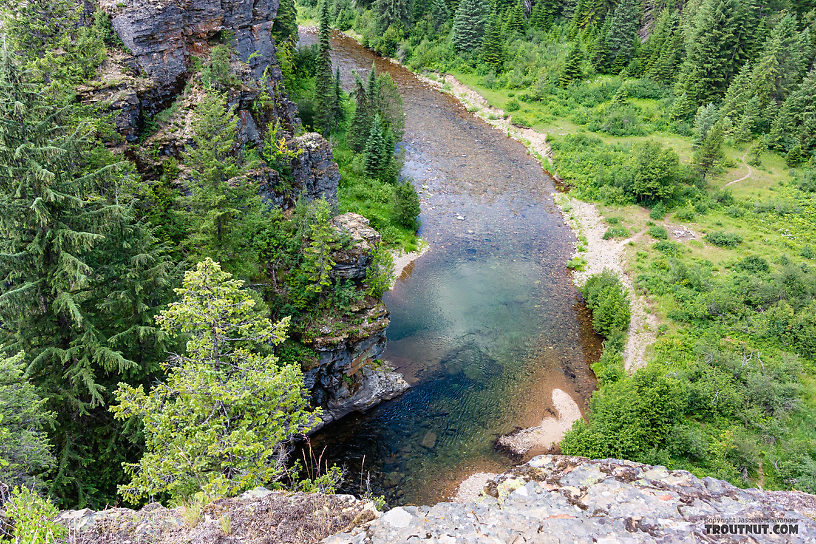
(388, 103)
(25, 453)
(710, 151)
(796, 123)
(600, 51)
(220, 422)
(61, 213)
(376, 156)
(493, 46)
(361, 120)
(516, 19)
(621, 34)
(439, 13)
(572, 67)
(338, 98)
(406, 205)
(469, 25)
(325, 105)
(391, 13)
(284, 28)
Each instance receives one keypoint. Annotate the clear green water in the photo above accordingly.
(486, 324)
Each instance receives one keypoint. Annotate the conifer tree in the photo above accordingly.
(710, 151)
(60, 286)
(469, 25)
(284, 28)
(439, 13)
(796, 123)
(391, 13)
(600, 50)
(338, 98)
(621, 34)
(572, 67)
(361, 120)
(375, 157)
(516, 19)
(493, 46)
(324, 79)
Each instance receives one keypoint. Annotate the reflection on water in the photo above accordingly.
(487, 323)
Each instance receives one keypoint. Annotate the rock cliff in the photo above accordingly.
(551, 499)
(152, 82)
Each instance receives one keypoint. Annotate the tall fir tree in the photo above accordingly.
(284, 28)
(392, 13)
(439, 13)
(469, 25)
(361, 120)
(493, 46)
(324, 97)
(63, 293)
(516, 19)
(572, 69)
(375, 157)
(796, 123)
(621, 34)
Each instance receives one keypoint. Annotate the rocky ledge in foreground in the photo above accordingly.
(559, 499)
(551, 499)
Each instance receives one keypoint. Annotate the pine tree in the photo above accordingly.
(439, 13)
(796, 123)
(469, 25)
(516, 19)
(61, 290)
(361, 120)
(284, 28)
(220, 421)
(325, 106)
(572, 67)
(621, 34)
(600, 51)
(493, 46)
(710, 151)
(391, 13)
(375, 157)
(338, 98)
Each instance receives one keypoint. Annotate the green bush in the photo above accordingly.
(659, 232)
(32, 518)
(616, 231)
(724, 239)
(406, 205)
(607, 300)
(754, 264)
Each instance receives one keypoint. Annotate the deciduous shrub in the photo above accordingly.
(606, 298)
(724, 239)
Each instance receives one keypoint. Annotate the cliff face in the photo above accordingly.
(158, 72)
(551, 499)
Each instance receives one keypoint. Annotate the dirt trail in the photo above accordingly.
(583, 218)
(746, 176)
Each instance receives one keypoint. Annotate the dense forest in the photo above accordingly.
(117, 252)
(650, 108)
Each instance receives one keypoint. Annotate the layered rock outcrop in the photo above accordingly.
(551, 499)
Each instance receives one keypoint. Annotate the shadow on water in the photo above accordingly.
(488, 322)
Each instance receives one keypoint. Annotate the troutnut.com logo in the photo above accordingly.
(751, 526)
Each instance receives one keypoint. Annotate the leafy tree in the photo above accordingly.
(25, 452)
(406, 204)
(469, 25)
(573, 66)
(656, 172)
(220, 421)
(284, 28)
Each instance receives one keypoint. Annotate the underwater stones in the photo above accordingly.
(429, 440)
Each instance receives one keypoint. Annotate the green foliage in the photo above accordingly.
(217, 73)
(24, 448)
(378, 150)
(469, 25)
(572, 69)
(607, 299)
(493, 46)
(659, 232)
(33, 518)
(219, 422)
(656, 172)
(724, 239)
(284, 28)
(406, 205)
(380, 272)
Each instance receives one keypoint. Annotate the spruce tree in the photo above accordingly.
(284, 28)
(63, 296)
(600, 50)
(469, 25)
(361, 120)
(439, 13)
(572, 67)
(325, 106)
(710, 151)
(796, 123)
(621, 34)
(391, 13)
(516, 19)
(493, 46)
(375, 158)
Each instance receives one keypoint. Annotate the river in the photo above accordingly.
(485, 325)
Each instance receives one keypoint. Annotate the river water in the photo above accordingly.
(485, 325)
